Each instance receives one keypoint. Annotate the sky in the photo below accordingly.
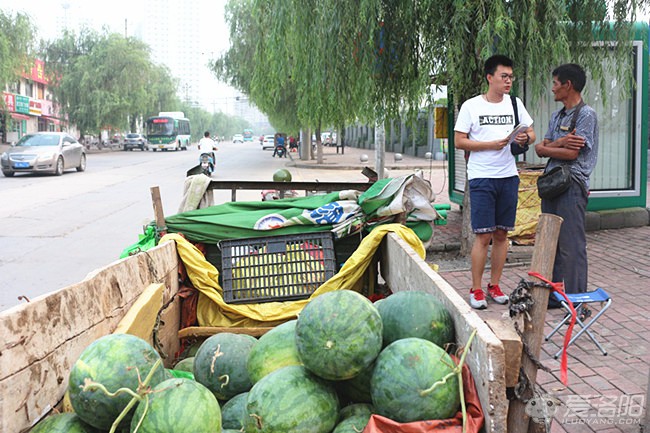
(123, 16)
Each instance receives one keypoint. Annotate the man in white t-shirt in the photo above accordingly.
(483, 125)
(207, 145)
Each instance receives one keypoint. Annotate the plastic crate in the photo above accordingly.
(276, 268)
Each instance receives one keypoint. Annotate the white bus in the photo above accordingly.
(170, 130)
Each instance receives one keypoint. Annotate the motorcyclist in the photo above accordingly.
(207, 145)
(279, 143)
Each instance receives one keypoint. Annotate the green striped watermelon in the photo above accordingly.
(220, 364)
(234, 411)
(357, 389)
(177, 405)
(274, 350)
(186, 364)
(116, 361)
(356, 409)
(63, 423)
(291, 400)
(416, 314)
(353, 424)
(338, 334)
(404, 369)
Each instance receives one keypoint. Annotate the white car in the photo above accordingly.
(269, 142)
(238, 138)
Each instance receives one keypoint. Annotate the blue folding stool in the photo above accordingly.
(578, 299)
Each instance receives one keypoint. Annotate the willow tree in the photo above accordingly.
(16, 54)
(106, 80)
(538, 35)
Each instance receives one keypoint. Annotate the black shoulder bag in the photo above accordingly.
(557, 180)
(515, 148)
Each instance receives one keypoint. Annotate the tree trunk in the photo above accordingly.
(467, 235)
(319, 146)
(305, 144)
(380, 149)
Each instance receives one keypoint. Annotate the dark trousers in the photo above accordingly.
(571, 256)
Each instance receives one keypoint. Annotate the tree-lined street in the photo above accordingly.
(55, 230)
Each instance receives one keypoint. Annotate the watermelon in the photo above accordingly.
(356, 409)
(116, 361)
(234, 411)
(220, 364)
(63, 423)
(177, 405)
(291, 400)
(402, 370)
(353, 424)
(186, 364)
(416, 314)
(274, 350)
(338, 334)
(357, 389)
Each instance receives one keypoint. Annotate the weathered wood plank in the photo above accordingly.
(208, 331)
(505, 332)
(42, 339)
(403, 269)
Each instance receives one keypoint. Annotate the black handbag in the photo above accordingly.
(515, 148)
(554, 182)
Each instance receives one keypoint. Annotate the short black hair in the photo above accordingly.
(493, 62)
(571, 72)
(206, 134)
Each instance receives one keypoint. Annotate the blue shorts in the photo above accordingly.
(493, 203)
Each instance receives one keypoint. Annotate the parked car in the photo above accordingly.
(133, 139)
(46, 152)
(238, 138)
(269, 142)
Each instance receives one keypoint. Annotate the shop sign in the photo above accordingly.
(38, 72)
(22, 104)
(35, 107)
(10, 102)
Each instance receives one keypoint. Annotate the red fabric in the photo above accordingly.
(380, 424)
(559, 287)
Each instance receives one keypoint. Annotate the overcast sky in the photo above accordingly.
(118, 16)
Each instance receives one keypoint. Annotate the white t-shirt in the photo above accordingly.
(487, 121)
(206, 144)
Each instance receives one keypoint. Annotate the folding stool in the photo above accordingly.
(578, 300)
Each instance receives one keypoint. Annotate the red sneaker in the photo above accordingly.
(477, 299)
(496, 294)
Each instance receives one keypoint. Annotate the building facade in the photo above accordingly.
(28, 107)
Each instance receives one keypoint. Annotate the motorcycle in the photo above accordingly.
(207, 163)
(280, 150)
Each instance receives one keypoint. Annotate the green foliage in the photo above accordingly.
(107, 81)
(309, 62)
(16, 47)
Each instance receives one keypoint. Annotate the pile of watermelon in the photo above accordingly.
(341, 361)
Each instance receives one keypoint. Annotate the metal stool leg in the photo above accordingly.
(585, 329)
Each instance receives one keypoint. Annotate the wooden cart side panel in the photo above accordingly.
(403, 269)
(42, 339)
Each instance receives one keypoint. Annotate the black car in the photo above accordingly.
(133, 140)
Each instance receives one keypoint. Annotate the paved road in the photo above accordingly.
(55, 230)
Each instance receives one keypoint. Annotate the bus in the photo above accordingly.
(169, 130)
(248, 135)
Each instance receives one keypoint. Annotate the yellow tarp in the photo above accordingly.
(529, 207)
(213, 311)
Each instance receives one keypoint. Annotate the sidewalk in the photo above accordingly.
(604, 393)
(350, 158)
